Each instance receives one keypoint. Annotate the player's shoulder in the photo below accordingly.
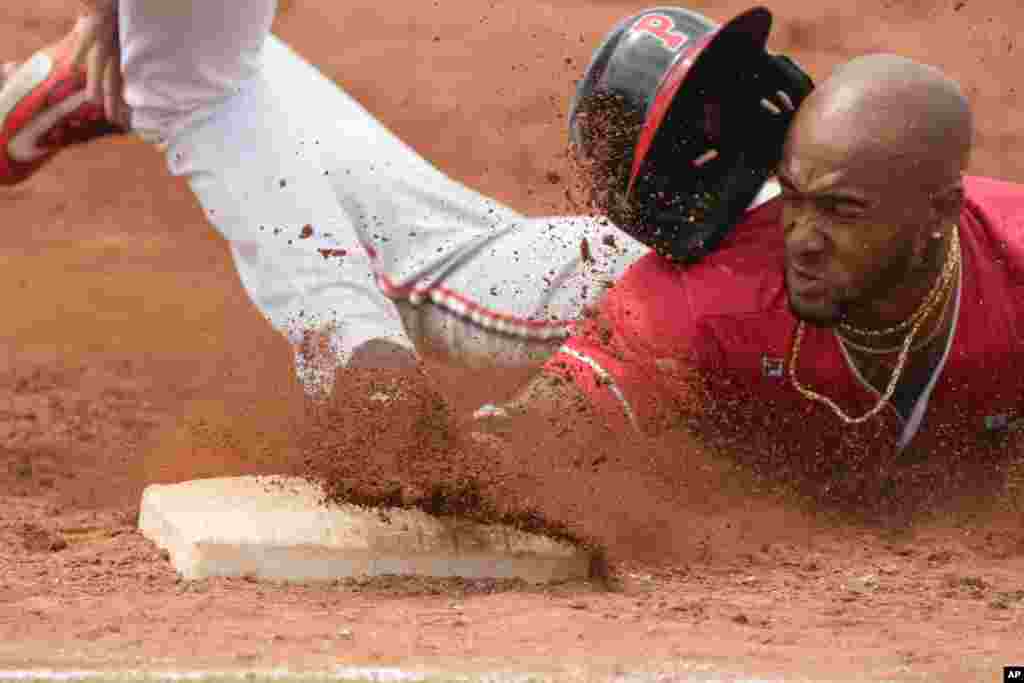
(1000, 202)
(734, 277)
(743, 276)
(990, 190)
(995, 220)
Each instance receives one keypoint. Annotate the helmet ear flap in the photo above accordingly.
(775, 91)
(791, 78)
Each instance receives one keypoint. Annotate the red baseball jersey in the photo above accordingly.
(713, 340)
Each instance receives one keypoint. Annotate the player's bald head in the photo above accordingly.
(894, 114)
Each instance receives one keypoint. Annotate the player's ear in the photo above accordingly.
(947, 203)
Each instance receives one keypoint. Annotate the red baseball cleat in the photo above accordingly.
(43, 109)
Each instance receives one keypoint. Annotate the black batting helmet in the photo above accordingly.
(679, 122)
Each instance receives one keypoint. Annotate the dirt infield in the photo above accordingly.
(131, 355)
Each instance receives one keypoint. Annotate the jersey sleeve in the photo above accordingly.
(635, 357)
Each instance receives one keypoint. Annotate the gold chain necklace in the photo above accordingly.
(952, 260)
(875, 351)
(918, 318)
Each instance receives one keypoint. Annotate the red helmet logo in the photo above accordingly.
(663, 28)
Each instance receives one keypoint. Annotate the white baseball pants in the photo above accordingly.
(335, 223)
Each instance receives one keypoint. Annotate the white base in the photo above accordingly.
(276, 528)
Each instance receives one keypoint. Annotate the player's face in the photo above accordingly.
(851, 232)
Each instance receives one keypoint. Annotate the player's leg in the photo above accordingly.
(194, 79)
(510, 304)
(437, 245)
(478, 284)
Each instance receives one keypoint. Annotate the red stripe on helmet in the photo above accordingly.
(663, 98)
